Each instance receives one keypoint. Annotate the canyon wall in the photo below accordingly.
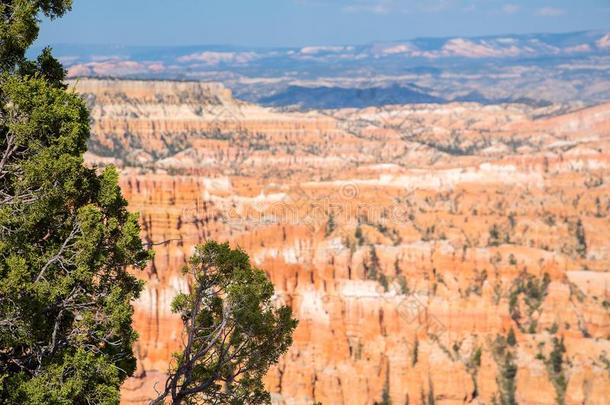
(425, 249)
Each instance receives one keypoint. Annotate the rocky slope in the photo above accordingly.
(409, 240)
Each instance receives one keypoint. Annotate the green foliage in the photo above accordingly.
(497, 236)
(403, 284)
(373, 267)
(359, 236)
(581, 239)
(473, 364)
(475, 359)
(477, 286)
(415, 352)
(330, 225)
(383, 280)
(234, 332)
(373, 270)
(66, 237)
(605, 362)
(555, 369)
(431, 400)
(532, 291)
(385, 395)
(506, 379)
(81, 378)
(19, 26)
(511, 339)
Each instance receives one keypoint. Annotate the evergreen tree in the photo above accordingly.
(66, 237)
(581, 239)
(234, 333)
(511, 339)
(19, 26)
(330, 225)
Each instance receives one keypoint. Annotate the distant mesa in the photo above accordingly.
(533, 68)
(340, 97)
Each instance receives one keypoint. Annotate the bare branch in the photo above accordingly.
(58, 257)
(11, 147)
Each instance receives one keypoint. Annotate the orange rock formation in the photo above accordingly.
(407, 239)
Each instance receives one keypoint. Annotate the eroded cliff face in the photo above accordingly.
(409, 240)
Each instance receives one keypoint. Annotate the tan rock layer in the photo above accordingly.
(398, 236)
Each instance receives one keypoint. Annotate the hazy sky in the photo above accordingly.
(307, 22)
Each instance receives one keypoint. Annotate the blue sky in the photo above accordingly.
(308, 22)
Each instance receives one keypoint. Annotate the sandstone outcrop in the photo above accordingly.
(407, 239)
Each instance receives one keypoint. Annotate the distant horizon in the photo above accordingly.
(295, 23)
(39, 45)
